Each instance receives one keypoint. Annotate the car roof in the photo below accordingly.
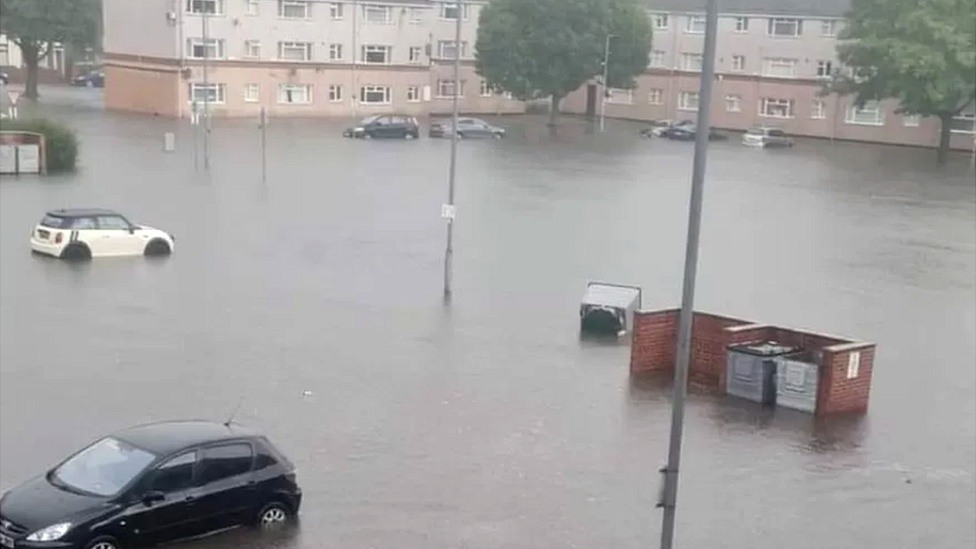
(81, 212)
(165, 437)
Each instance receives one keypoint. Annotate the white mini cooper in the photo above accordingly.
(87, 233)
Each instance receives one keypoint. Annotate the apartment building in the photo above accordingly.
(292, 57)
(772, 58)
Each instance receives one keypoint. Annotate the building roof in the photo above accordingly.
(810, 8)
(166, 437)
(81, 212)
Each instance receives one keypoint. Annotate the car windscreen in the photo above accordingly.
(102, 469)
(755, 131)
(56, 222)
(369, 119)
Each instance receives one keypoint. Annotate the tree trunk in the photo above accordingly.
(553, 109)
(31, 54)
(945, 135)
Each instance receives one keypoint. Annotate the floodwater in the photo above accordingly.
(315, 300)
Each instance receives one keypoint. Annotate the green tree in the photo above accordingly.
(34, 25)
(549, 48)
(920, 52)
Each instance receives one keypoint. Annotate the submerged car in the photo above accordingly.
(659, 127)
(153, 484)
(764, 136)
(466, 127)
(88, 233)
(385, 126)
(94, 79)
(689, 133)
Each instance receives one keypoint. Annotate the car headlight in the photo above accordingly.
(51, 533)
(358, 129)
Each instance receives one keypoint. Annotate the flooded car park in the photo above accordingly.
(315, 300)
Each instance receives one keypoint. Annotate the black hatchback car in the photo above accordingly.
(385, 125)
(153, 484)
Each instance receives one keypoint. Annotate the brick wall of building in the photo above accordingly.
(139, 89)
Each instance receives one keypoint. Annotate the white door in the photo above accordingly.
(117, 237)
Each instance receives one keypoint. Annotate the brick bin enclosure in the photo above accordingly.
(655, 336)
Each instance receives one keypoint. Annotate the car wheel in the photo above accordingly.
(158, 247)
(367, 135)
(103, 542)
(272, 515)
(76, 252)
(409, 135)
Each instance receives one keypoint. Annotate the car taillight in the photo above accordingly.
(57, 238)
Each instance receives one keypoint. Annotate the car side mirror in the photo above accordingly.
(133, 229)
(153, 496)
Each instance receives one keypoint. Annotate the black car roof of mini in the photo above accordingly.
(165, 437)
(81, 212)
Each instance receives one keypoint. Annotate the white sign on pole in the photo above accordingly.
(448, 211)
(14, 96)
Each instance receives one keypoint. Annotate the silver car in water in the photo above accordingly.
(763, 137)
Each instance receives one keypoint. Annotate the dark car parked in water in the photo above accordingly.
(688, 133)
(152, 484)
(385, 125)
(94, 79)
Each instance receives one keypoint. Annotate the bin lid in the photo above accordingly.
(764, 348)
(620, 297)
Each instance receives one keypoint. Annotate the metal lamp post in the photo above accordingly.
(606, 70)
(448, 210)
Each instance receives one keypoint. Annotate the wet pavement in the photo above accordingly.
(316, 298)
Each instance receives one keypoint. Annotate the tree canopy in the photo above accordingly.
(538, 48)
(920, 52)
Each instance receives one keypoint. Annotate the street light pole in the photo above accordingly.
(683, 351)
(205, 22)
(449, 211)
(606, 70)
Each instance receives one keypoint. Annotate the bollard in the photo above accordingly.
(169, 142)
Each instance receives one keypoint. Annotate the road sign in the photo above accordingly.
(447, 211)
(14, 96)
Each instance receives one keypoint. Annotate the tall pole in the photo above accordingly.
(606, 70)
(264, 145)
(449, 250)
(683, 352)
(205, 22)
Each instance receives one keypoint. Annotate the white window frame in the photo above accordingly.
(853, 364)
(335, 52)
(779, 67)
(253, 8)
(287, 90)
(252, 93)
(733, 103)
(217, 44)
(306, 48)
(443, 45)
(413, 94)
(415, 55)
(219, 92)
(337, 11)
(655, 96)
(375, 49)
(871, 114)
(788, 105)
(443, 13)
(335, 93)
(305, 6)
(692, 62)
(484, 89)
(738, 63)
(964, 117)
(416, 16)
(385, 91)
(658, 58)
(442, 89)
(828, 28)
(374, 9)
(252, 49)
(619, 96)
(911, 120)
(825, 68)
(688, 101)
(741, 25)
(695, 24)
(662, 21)
(818, 109)
(196, 6)
(773, 22)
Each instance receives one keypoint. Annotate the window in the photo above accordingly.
(335, 52)
(221, 462)
(175, 474)
(655, 96)
(295, 51)
(335, 93)
(688, 101)
(485, 89)
(375, 95)
(785, 27)
(112, 223)
(691, 62)
(376, 55)
(4, 55)
(413, 94)
(252, 49)
(294, 94)
(252, 93)
(776, 108)
(203, 93)
(828, 28)
(446, 49)
(621, 97)
(450, 11)
(416, 55)
(84, 223)
(824, 69)
(661, 21)
(294, 9)
(733, 103)
(964, 123)
(213, 7)
(198, 48)
(911, 120)
(377, 14)
(741, 24)
(104, 468)
(818, 110)
(416, 15)
(738, 63)
(695, 24)
(779, 67)
(657, 58)
(867, 115)
(253, 7)
(445, 88)
(853, 364)
(335, 11)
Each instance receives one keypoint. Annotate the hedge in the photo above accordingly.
(61, 144)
